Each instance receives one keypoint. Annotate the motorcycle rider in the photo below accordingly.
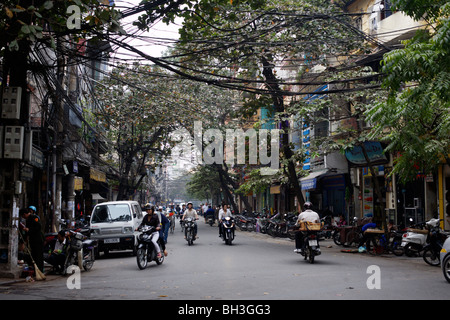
(224, 212)
(192, 213)
(308, 215)
(208, 213)
(151, 219)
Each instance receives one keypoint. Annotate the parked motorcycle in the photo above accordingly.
(146, 250)
(436, 238)
(228, 230)
(189, 228)
(80, 250)
(414, 240)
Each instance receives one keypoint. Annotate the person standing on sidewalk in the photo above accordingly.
(35, 237)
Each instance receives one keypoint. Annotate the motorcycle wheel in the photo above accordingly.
(311, 256)
(141, 258)
(250, 226)
(337, 237)
(446, 268)
(397, 249)
(189, 238)
(431, 257)
(89, 260)
(70, 260)
(411, 250)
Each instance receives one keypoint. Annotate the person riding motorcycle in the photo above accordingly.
(151, 219)
(192, 213)
(308, 215)
(209, 213)
(224, 212)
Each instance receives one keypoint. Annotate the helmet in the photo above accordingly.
(160, 208)
(32, 208)
(307, 205)
(189, 203)
(148, 206)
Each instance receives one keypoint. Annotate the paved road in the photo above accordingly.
(255, 267)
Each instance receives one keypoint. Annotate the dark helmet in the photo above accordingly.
(308, 206)
(148, 206)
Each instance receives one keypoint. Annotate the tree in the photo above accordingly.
(415, 118)
(253, 38)
(142, 105)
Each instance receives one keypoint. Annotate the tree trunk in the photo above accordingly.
(278, 102)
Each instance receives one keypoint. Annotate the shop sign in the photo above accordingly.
(97, 175)
(78, 183)
(374, 152)
(37, 158)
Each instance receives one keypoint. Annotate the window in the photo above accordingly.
(111, 213)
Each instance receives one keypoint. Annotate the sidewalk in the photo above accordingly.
(9, 281)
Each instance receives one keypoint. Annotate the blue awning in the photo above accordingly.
(310, 181)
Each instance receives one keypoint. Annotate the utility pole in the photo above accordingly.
(14, 119)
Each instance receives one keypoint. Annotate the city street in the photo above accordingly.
(255, 267)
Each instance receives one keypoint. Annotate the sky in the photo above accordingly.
(154, 42)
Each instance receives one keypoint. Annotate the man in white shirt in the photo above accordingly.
(307, 216)
(223, 212)
(190, 212)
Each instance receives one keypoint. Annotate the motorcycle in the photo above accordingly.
(414, 240)
(436, 238)
(211, 220)
(146, 250)
(311, 247)
(228, 230)
(189, 227)
(80, 251)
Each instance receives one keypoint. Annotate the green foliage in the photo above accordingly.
(414, 120)
(44, 20)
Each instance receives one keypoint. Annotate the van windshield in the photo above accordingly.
(111, 213)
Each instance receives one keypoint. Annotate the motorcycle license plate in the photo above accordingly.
(114, 240)
(404, 244)
(313, 243)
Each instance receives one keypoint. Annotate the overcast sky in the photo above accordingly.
(154, 42)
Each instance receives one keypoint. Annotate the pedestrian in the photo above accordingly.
(35, 237)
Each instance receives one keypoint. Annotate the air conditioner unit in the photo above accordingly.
(11, 100)
(13, 142)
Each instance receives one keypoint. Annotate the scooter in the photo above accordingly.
(189, 227)
(311, 247)
(211, 220)
(146, 250)
(228, 230)
(414, 240)
(435, 240)
(80, 251)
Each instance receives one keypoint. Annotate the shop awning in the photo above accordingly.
(97, 196)
(310, 181)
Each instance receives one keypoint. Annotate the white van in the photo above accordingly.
(113, 225)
